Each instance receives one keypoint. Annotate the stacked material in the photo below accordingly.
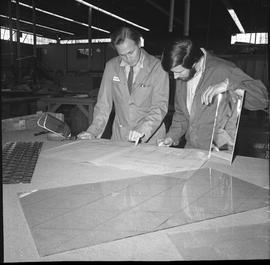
(18, 161)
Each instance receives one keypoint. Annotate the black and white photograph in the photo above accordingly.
(134, 130)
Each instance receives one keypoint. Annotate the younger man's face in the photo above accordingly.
(182, 73)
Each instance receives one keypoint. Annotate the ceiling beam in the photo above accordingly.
(38, 25)
(164, 11)
(61, 17)
(111, 14)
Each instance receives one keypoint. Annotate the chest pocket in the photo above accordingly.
(117, 84)
(142, 95)
(118, 90)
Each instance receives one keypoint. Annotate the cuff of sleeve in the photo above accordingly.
(231, 86)
(90, 131)
(175, 141)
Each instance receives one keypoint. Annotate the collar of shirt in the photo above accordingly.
(136, 68)
(193, 83)
(201, 64)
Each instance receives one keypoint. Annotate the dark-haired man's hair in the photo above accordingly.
(182, 52)
(119, 36)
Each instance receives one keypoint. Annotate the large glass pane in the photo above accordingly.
(66, 218)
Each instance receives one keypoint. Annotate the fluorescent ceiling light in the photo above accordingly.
(62, 17)
(236, 20)
(111, 14)
(41, 26)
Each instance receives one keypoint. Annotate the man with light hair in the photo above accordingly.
(135, 83)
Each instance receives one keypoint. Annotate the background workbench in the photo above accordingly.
(86, 105)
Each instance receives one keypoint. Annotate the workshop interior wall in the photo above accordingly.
(74, 57)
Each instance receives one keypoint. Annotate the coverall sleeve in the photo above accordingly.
(159, 105)
(104, 104)
(180, 121)
(256, 97)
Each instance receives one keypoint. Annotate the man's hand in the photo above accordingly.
(214, 90)
(86, 136)
(165, 142)
(135, 136)
(236, 94)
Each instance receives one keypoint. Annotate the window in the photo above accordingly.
(252, 38)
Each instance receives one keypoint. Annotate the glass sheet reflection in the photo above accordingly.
(245, 242)
(226, 125)
(67, 218)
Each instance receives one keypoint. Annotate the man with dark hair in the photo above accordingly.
(136, 84)
(200, 76)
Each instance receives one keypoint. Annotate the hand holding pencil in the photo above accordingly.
(135, 136)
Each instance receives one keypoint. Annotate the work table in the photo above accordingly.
(55, 169)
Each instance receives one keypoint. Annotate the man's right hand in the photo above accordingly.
(86, 136)
(165, 142)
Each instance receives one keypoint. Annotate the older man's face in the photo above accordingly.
(129, 51)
